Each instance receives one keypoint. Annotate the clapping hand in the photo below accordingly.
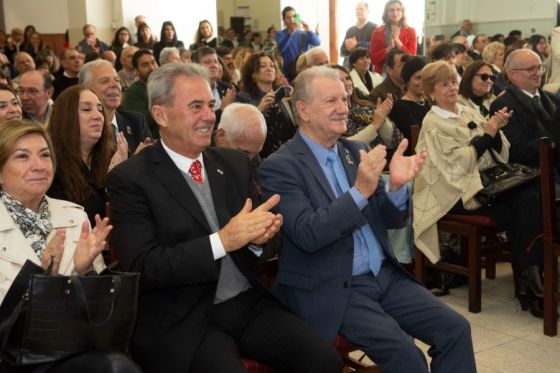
(371, 166)
(121, 154)
(497, 121)
(54, 251)
(382, 109)
(249, 225)
(91, 243)
(403, 169)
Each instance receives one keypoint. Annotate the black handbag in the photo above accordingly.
(46, 318)
(503, 177)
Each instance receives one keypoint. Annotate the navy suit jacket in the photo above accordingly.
(315, 271)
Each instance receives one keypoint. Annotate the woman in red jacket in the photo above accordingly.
(395, 33)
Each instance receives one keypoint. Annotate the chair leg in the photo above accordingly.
(490, 267)
(550, 289)
(474, 270)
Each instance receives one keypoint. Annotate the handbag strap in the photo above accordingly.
(7, 324)
(79, 289)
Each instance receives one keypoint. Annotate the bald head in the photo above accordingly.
(242, 127)
(23, 62)
(524, 69)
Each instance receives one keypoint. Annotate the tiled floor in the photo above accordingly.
(506, 339)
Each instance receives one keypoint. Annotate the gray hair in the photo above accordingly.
(511, 62)
(166, 53)
(236, 117)
(85, 75)
(302, 83)
(312, 53)
(162, 80)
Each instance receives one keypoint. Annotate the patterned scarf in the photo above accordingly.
(35, 226)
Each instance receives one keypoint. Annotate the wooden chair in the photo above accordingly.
(551, 243)
(351, 364)
(472, 229)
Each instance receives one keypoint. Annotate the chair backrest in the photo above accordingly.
(548, 195)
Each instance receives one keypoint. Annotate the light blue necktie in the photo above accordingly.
(343, 186)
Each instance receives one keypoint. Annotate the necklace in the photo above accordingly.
(420, 102)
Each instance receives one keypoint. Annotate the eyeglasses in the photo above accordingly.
(485, 77)
(30, 91)
(533, 69)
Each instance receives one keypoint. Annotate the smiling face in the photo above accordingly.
(394, 13)
(266, 72)
(90, 116)
(107, 86)
(186, 124)
(9, 107)
(479, 86)
(325, 113)
(527, 71)
(445, 94)
(414, 85)
(28, 172)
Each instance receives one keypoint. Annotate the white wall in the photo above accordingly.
(492, 16)
(50, 16)
(263, 14)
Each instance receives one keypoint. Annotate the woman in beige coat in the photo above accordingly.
(459, 141)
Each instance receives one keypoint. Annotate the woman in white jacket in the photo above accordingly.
(45, 230)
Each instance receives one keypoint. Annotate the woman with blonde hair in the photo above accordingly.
(459, 141)
(493, 54)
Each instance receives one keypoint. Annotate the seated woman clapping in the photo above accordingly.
(45, 230)
(459, 141)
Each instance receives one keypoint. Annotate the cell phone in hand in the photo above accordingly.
(280, 93)
(297, 18)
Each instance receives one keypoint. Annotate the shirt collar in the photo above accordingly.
(531, 95)
(183, 163)
(319, 151)
(447, 114)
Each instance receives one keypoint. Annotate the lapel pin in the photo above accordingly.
(349, 159)
(220, 171)
(128, 130)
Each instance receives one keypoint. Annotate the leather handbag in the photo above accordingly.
(46, 318)
(503, 177)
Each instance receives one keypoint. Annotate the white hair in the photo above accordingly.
(166, 54)
(85, 75)
(235, 120)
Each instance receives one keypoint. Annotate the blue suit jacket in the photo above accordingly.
(315, 271)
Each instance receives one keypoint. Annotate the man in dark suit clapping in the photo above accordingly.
(182, 218)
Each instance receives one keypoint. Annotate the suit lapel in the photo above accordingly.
(305, 155)
(217, 177)
(124, 127)
(348, 162)
(171, 178)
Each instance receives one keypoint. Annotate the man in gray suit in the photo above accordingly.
(337, 270)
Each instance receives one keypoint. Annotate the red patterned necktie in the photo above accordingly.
(196, 172)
